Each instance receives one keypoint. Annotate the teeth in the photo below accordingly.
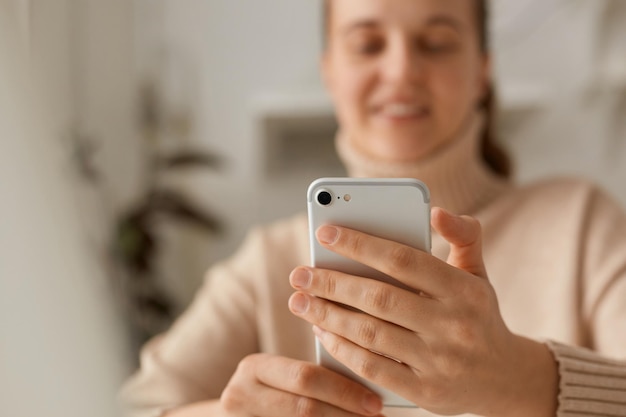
(401, 110)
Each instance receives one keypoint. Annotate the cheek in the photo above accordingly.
(350, 92)
(455, 91)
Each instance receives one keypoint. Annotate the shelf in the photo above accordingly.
(296, 133)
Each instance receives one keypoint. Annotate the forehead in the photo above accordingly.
(408, 13)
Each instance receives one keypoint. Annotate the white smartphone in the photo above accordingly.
(396, 209)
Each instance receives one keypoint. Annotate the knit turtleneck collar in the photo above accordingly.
(456, 175)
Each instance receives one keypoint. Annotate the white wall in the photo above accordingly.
(563, 71)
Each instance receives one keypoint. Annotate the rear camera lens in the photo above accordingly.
(324, 198)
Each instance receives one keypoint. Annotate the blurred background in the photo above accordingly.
(172, 126)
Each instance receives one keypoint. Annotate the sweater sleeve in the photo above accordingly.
(593, 380)
(196, 357)
(603, 268)
(590, 384)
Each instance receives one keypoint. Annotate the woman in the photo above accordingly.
(411, 83)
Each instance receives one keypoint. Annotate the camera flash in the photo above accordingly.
(347, 197)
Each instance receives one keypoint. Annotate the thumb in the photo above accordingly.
(465, 237)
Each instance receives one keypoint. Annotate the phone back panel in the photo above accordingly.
(394, 209)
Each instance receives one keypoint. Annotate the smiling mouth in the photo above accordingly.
(403, 111)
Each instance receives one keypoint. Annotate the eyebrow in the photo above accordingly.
(444, 20)
(432, 21)
(362, 24)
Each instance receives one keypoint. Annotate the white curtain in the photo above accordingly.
(61, 350)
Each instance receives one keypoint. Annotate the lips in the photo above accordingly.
(402, 110)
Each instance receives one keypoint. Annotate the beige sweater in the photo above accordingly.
(555, 253)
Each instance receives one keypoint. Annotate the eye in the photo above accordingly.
(370, 47)
(438, 41)
(366, 43)
(437, 46)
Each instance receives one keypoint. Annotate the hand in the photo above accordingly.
(272, 386)
(444, 345)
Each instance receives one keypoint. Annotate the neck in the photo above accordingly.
(458, 178)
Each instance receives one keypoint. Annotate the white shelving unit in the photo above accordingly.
(295, 132)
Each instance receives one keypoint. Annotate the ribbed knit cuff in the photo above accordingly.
(590, 385)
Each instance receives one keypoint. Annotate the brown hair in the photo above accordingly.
(493, 154)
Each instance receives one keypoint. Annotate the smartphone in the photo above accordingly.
(397, 209)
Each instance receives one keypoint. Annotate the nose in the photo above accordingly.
(402, 63)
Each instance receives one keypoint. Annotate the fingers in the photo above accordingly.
(270, 402)
(465, 238)
(289, 387)
(312, 381)
(410, 266)
(364, 330)
(382, 371)
(405, 309)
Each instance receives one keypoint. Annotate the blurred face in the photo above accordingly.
(403, 74)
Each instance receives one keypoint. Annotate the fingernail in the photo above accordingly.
(372, 403)
(327, 234)
(446, 212)
(301, 278)
(299, 303)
